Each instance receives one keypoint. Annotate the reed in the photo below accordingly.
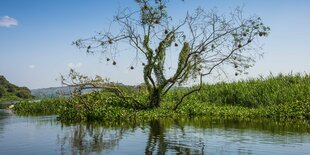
(282, 97)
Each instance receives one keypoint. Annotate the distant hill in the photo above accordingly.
(11, 92)
(52, 92)
(65, 91)
(56, 92)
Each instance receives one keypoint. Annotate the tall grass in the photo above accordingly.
(261, 92)
(282, 97)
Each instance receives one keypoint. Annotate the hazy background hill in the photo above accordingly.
(55, 92)
(65, 91)
(52, 92)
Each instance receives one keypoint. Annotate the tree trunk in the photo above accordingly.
(155, 98)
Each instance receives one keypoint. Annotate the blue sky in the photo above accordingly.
(36, 36)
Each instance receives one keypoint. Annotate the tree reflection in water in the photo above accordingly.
(166, 139)
(87, 138)
(182, 136)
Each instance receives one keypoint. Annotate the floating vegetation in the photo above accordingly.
(282, 98)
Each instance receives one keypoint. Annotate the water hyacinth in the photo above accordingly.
(284, 98)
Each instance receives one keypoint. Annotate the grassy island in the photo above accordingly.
(284, 98)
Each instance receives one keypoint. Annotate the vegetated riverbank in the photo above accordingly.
(284, 98)
(10, 92)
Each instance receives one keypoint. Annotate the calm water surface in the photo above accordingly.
(45, 135)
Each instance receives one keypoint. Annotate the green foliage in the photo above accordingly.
(98, 106)
(295, 111)
(273, 90)
(9, 91)
(151, 14)
(11, 88)
(23, 92)
(283, 98)
(2, 91)
(43, 107)
(298, 110)
(4, 82)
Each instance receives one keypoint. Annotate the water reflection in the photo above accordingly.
(186, 136)
(162, 139)
(4, 114)
(45, 135)
(89, 138)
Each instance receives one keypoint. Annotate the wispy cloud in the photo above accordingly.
(75, 66)
(31, 66)
(7, 21)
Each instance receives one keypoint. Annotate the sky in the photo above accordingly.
(36, 37)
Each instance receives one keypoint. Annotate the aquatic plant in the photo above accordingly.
(282, 98)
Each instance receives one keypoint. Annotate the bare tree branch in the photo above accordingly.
(207, 41)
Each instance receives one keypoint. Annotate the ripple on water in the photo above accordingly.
(44, 135)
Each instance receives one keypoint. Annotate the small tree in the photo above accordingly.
(204, 40)
(78, 82)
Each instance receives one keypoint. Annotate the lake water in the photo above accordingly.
(45, 135)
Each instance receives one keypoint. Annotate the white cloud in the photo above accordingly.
(7, 21)
(74, 66)
(31, 66)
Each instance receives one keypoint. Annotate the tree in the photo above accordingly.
(2, 91)
(204, 40)
(23, 92)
